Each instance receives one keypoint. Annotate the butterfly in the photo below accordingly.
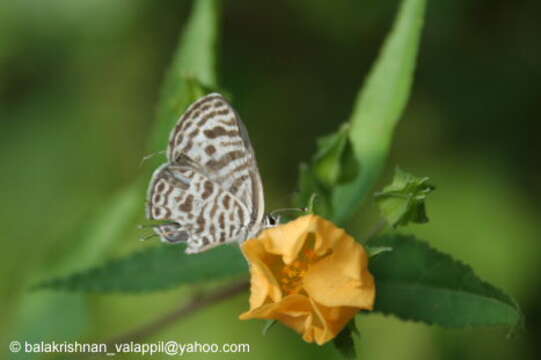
(209, 191)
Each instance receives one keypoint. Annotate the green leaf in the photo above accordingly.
(416, 282)
(152, 269)
(380, 105)
(39, 311)
(109, 225)
(403, 201)
(191, 75)
(344, 341)
(193, 71)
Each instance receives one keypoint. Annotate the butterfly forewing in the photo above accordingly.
(210, 189)
(211, 134)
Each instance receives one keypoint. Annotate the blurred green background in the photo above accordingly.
(79, 82)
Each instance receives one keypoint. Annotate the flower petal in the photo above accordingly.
(331, 321)
(317, 323)
(263, 283)
(293, 310)
(288, 239)
(342, 277)
(331, 274)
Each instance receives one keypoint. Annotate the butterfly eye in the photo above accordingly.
(272, 220)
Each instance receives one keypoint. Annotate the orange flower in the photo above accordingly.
(310, 275)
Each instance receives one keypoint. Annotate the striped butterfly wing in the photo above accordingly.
(199, 211)
(212, 135)
(210, 189)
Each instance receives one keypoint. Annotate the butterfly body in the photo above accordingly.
(210, 190)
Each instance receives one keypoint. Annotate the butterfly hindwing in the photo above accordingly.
(201, 212)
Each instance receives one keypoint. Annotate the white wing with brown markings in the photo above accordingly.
(202, 213)
(211, 134)
(210, 189)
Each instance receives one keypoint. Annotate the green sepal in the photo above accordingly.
(334, 162)
(403, 201)
(312, 193)
(376, 250)
(269, 324)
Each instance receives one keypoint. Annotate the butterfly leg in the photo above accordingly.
(161, 231)
(171, 233)
(146, 226)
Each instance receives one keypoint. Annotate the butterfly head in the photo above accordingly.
(271, 220)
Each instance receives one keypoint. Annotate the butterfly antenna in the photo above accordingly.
(277, 211)
(150, 156)
(148, 226)
(146, 237)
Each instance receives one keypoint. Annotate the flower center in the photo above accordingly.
(291, 275)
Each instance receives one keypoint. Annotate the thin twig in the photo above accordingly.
(380, 226)
(176, 315)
